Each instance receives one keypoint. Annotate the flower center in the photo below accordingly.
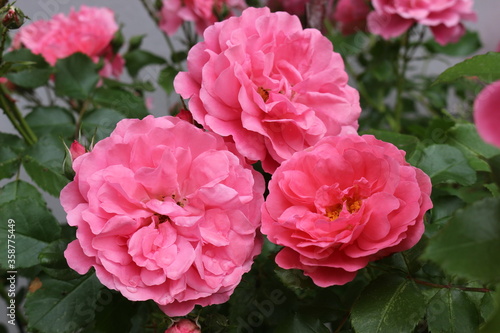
(264, 93)
(352, 206)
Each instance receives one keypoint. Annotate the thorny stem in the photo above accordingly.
(80, 117)
(400, 74)
(449, 286)
(155, 18)
(2, 42)
(15, 116)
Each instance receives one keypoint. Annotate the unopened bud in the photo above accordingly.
(184, 326)
(76, 149)
(12, 17)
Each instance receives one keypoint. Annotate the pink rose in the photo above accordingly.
(166, 212)
(89, 31)
(392, 18)
(351, 15)
(184, 326)
(202, 12)
(268, 84)
(487, 113)
(343, 203)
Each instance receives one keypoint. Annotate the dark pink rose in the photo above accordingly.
(202, 12)
(487, 113)
(89, 31)
(166, 212)
(342, 203)
(271, 86)
(184, 326)
(392, 18)
(351, 15)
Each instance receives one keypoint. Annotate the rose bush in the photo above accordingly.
(271, 86)
(487, 113)
(342, 203)
(89, 30)
(392, 18)
(166, 212)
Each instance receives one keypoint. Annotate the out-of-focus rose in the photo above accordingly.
(89, 30)
(183, 326)
(351, 15)
(487, 113)
(270, 85)
(166, 212)
(202, 12)
(392, 18)
(294, 7)
(343, 203)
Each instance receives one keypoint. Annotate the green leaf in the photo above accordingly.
(388, 304)
(405, 142)
(135, 42)
(128, 104)
(486, 67)
(19, 189)
(28, 70)
(451, 311)
(114, 313)
(299, 323)
(33, 227)
(492, 325)
(138, 85)
(11, 147)
(54, 263)
(469, 245)
(166, 79)
(76, 76)
(444, 163)
(44, 161)
(137, 59)
(494, 163)
(468, 44)
(51, 120)
(466, 138)
(63, 306)
(98, 124)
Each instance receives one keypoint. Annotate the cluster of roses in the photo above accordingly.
(167, 211)
(387, 18)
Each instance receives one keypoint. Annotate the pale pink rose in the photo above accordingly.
(202, 12)
(271, 86)
(76, 150)
(392, 18)
(166, 212)
(89, 31)
(184, 326)
(487, 113)
(351, 15)
(343, 203)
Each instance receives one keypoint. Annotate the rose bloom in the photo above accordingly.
(342, 203)
(166, 212)
(89, 30)
(487, 113)
(351, 15)
(202, 12)
(392, 18)
(268, 84)
(183, 326)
